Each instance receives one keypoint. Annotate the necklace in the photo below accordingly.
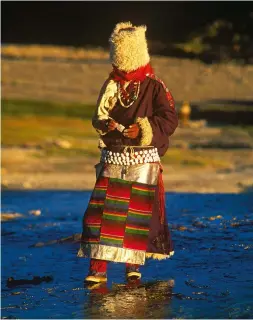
(127, 96)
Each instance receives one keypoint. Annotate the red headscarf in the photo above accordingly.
(136, 75)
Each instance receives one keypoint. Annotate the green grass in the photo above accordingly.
(42, 129)
(39, 123)
(223, 107)
(19, 108)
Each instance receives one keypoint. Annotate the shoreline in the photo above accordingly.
(187, 180)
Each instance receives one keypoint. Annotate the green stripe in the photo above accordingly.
(136, 215)
(98, 191)
(120, 181)
(110, 217)
(111, 240)
(144, 193)
(117, 201)
(144, 232)
(94, 227)
(116, 204)
(96, 204)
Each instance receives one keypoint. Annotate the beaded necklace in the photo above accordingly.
(127, 96)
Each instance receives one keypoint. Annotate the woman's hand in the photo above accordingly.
(111, 125)
(132, 132)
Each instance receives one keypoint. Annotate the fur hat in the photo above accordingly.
(128, 47)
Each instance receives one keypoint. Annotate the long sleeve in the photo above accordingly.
(106, 101)
(156, 129)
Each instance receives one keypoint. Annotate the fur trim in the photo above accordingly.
(146, 131)
(128, 47)
(158, 256)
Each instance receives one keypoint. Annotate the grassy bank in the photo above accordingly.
(12, 107)
(40, 124)
(41, 131)
(33, 158)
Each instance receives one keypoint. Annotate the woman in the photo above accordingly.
(125, 220)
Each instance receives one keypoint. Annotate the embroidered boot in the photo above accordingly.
(97, 273)
(132, 272)
(96, 277)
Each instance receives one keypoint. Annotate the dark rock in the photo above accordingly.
(11, 282)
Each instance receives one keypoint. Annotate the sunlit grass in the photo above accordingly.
(43, 129)
(41, 123)
(26, 107)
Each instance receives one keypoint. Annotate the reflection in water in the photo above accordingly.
(133, 300)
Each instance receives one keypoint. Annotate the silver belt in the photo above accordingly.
(130, 156)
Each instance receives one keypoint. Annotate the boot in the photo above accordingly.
(97, 271)
(133, 272)
(96, 277)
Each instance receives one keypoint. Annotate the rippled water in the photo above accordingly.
(210, 275)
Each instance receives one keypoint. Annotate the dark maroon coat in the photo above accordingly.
(152, 103)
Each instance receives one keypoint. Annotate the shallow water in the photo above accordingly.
(211, 269)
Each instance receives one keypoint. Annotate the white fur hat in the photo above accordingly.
(128, 47)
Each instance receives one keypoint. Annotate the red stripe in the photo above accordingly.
(102, 182)
(135, 242)
(141, 203)
(93, 215)
(119, 190)
(113, 228)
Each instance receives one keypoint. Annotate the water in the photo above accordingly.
(211, 269)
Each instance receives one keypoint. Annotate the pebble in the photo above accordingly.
(35, 212)
(215, 217)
